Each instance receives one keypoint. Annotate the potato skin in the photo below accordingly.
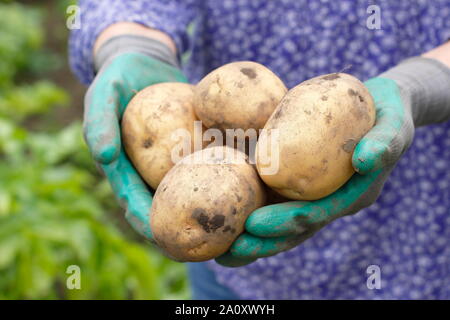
(320, 121)
(200, 208)
(238, 95)
(149, 120)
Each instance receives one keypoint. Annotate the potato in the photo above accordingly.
(319, 123)
(238, 95)
(200, 207)
(149, 121)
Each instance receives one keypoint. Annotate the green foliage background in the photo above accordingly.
(55, 209)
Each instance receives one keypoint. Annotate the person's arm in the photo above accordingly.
(424, 85)
(441, 53)
(414, 93)
(121, 48)
(132, 28)
(105, 19)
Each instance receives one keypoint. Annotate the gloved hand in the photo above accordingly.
(415, 93)
(126, 64)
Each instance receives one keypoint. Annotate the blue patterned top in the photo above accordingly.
(407, 231)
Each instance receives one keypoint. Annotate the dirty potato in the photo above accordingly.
(238, 95)
(149, 121)
(319, 122)
(201, 205)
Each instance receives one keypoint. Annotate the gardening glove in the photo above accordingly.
(412, 94)
(126, 64)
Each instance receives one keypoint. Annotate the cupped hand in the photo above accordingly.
(280, 227)
(106, 100)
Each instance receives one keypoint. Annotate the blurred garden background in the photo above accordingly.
(56, 210)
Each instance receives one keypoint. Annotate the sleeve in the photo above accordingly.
(169, 16)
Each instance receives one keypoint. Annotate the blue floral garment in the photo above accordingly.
(407, 231)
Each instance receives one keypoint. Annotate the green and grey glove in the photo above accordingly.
(412, 94)
(126, 64)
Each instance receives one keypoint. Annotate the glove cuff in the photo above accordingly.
(127, 43)
(424, 86)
